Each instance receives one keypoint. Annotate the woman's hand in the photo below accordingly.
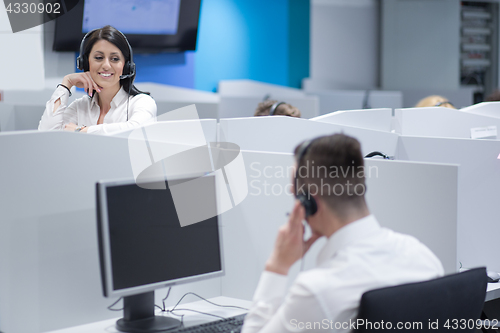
(81, 80)
(70, 127)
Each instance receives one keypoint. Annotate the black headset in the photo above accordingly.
(306, 200)
(274, 107)
(128, 68)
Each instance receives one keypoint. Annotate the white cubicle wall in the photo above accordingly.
(334, 100)
(283, 134)
(419, 199)
(478, 192)
(245, 106)
(48, 235)
(373, 119)
(170, 98)
(440, 122)
(489, 109)
(256, 88)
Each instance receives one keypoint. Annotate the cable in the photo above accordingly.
(205, 313)
(110, 307)
(204, 299)
(163, 300)
(128, 96)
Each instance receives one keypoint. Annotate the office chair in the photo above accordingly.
(458, 296)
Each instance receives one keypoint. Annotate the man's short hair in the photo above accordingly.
(333, 168)
(264, 108)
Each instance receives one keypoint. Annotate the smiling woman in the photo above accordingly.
(113, 103)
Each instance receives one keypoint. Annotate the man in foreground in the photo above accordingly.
(359, 254)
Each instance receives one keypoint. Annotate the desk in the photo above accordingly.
(190, 318)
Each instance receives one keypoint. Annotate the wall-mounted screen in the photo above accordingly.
(150, 26)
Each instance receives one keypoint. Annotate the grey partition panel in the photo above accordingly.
(205, 110)
(48, 234)
(479, 183)
(283, 134)
(335, 100)
(417, 199)
(35, 97)
(256, 88)
(6, 116)
(402, 195)
(245, 106)
(20, 117)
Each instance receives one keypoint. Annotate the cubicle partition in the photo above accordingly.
(170, 98)
(35, 97)
(372, 119)
(48, 235)
(478, 191)
(283, 134)
(256, 88)
(419, 199)
(17, 117)
(441, 122)
(239, 98)
(245, 106)
(490, 109)
(335, 100)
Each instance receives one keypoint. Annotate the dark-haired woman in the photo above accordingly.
(113, 103)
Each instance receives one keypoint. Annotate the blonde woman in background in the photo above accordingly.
(435, 100)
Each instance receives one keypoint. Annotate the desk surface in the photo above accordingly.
(190, 318)
(193, 318)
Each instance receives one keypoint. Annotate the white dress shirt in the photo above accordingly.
(85, 111)
(360, 256)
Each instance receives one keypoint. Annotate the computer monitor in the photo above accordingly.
(143, 247)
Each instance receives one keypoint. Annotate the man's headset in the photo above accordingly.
(305, 198)
(274, 107)
(82, 63)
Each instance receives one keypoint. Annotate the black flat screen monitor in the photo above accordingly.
(142, 247)
(150, 26)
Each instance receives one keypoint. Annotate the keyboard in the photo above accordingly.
(228, 325)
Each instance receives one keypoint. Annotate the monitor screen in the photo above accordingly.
(142, 244)
(128, 16)
(150, 26)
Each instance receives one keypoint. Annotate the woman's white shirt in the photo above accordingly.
(85, 111)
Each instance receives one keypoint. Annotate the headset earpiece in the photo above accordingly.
(274, 107)
(309, 204)
(81, 60)
(306, 200)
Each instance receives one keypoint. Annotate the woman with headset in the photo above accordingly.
(113, 103)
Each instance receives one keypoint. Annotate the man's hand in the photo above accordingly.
(290, 245)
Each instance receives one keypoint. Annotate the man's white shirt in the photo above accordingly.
(360, 256)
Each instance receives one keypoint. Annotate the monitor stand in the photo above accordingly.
(139, 315)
